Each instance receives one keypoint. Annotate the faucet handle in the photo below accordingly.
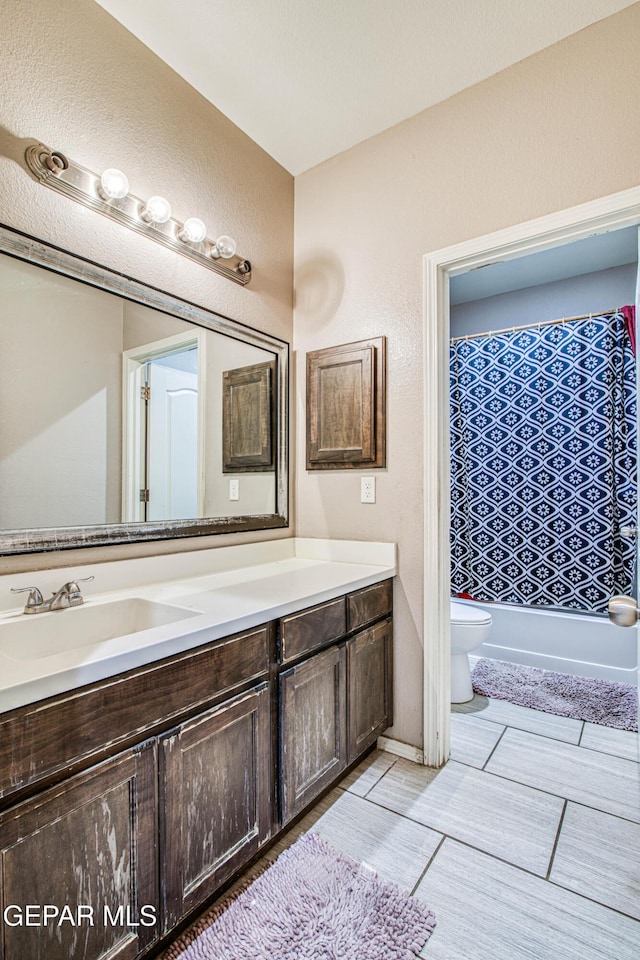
(73, 590)
(73, 584)
(35, 598)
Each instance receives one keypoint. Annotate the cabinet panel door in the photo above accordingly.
(312, 728)
(215, 788)
(369, 663)
(346, 406)
(89, 843)
(248, 418)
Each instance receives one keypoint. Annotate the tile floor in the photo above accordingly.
(526, 844)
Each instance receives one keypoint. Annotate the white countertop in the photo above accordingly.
(222, 591)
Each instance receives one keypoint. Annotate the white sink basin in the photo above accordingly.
(39, 635)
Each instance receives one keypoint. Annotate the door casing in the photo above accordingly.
(133, 427)
(575, 223)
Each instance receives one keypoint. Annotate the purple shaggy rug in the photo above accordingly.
(312, 903)
(598, 701)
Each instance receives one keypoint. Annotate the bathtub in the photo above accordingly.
(584, 644)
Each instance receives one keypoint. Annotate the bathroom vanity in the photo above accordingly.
(188, 745)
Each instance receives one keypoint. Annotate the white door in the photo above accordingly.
(172, 439)
(164, 387)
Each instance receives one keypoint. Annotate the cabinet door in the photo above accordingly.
(89, 843)
(346, 406)
(369, 665)
(215, 793)
(248, 418)
(312, 728)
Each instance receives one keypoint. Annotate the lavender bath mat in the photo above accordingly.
(598, 701)
(317, 904)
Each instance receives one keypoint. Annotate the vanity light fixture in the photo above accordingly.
(193, 231)
(113, 185)
(224, 247)
(109, 194)
(156, 210)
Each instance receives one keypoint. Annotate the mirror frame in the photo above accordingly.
(24, 247)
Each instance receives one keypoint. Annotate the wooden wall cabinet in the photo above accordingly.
(346, 406)
(248, 419)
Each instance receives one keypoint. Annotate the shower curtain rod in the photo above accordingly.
(528, 326)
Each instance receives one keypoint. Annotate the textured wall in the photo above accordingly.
(70, 386)
(557, 129)
(602, 291)
(75, 79)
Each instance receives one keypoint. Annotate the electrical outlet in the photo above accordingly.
(234, 489)
(367, 489)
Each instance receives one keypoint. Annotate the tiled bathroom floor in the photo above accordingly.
(526, 844)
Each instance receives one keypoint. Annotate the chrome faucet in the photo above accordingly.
(68, 595)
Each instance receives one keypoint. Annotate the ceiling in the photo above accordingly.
(600, 252)
(307, 79)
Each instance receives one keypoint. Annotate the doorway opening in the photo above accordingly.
(548, 233)
(163, 429)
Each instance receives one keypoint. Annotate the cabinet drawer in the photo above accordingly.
(306, 631)
(371, 603)
(46, 738)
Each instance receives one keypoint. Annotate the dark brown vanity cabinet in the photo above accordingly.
(88, 844)
(157, 825)
(369, 669)
(313, 728)
(133, 799)
(336, 702)
(215, 798)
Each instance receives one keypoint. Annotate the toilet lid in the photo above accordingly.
(465, 613)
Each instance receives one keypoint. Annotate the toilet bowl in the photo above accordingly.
(470, 626)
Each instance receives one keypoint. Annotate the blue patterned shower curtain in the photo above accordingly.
(543, 464)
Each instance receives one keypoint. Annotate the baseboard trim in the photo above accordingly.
(400, 749)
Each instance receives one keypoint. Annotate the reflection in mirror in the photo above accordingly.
(111, 412)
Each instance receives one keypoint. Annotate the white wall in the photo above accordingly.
(604, 290)
(554, 130)
(60, 400)
(75, 79)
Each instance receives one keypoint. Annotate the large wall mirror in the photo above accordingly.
(127, 414)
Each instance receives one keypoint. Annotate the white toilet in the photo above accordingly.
(470, 626)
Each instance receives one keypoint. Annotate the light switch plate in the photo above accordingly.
(367, 489)
(234, 489)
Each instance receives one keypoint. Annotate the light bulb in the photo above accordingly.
(113, 185)
(193, 231)
(224, 247)
(156, 210)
